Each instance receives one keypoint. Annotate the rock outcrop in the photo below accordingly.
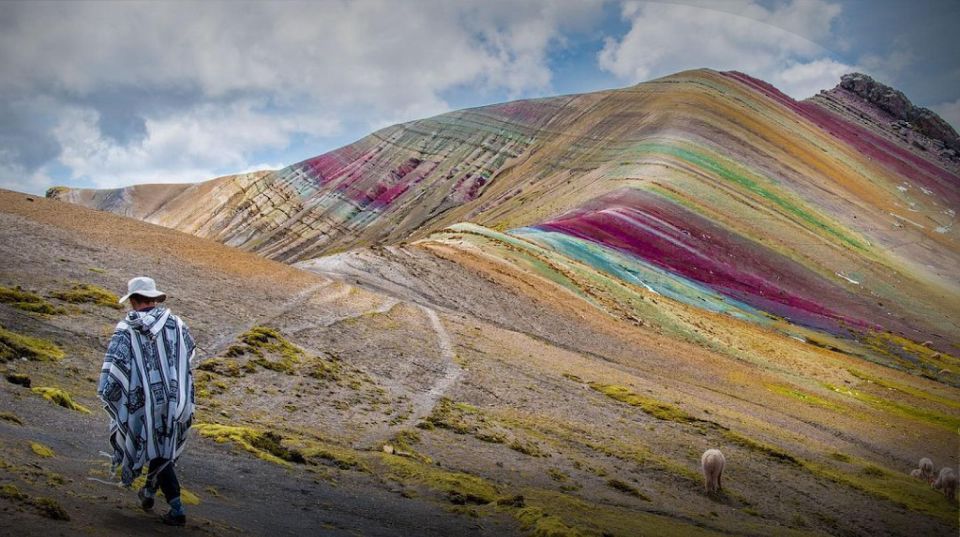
(899, 106)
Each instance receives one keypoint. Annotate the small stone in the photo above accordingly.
(388, 449)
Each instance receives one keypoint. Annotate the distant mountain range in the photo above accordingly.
(830, 219)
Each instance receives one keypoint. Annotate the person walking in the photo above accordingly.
(147, 389)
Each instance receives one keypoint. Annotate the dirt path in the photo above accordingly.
(424, 402)
(297, 300)
(384, 307)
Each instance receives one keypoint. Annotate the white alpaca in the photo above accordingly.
(926, 469)
(712, 463)
(946, 482)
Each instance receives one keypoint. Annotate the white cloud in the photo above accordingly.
(802, 80)
(775, 44)
(246, 77)
(385, 54)
(14, 177)
(950, 112)
(193, 146)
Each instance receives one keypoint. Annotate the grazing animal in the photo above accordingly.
(712, 462)
(946, 482)
(926, 469)
(916, 473)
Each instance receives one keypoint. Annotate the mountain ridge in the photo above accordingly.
(715, 187)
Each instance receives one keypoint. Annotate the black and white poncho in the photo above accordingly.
(147, 388)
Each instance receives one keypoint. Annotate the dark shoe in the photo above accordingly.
(146, 502)
(170, 519)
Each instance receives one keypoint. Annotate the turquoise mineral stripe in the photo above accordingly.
(634, 271)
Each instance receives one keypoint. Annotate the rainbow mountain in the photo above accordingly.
(704, 193)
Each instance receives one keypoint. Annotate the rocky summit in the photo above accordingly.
(529, 318)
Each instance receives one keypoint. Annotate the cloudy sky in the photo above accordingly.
(109, 94)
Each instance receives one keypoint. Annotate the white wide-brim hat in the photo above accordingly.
(143, 286)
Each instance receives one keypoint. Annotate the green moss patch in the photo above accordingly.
(47, 507)
(86, 293)
(626, 488)
(459, 487)
(19, 379)
(540, 524)
(528, 448)
(805, 397)
(447, 415)
(266, 348)
(266, 445)
(550, 513)
(14, 345)
(896, 487)
(11, 492)
(11, 417)
(903, 388)
(265, 345)
(649, 405)
(760, 447)
(842, 457)
(41, 450)
(343, 458)
(951, 423)
(222, 366)
(59, 397)
(27, 301)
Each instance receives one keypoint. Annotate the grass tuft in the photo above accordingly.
(805, 397)
(11, 492)
(14, 345)
(221, 366)
(448, 415)
(59, 397)
(460, 488)
(12, 418)
(87, 293)
(528, 448)
(41, 450)
(27, 301)
(896, 487)
(626, 488)
(842, 457)
(760, 447)
(653, 407)
(47, 507)
(541, 524)
(932, 417)
(19, 379)
(266, 445)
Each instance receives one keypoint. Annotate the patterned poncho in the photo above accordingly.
(147, 388)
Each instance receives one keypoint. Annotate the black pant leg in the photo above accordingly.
(152, 481)
(166, 478)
